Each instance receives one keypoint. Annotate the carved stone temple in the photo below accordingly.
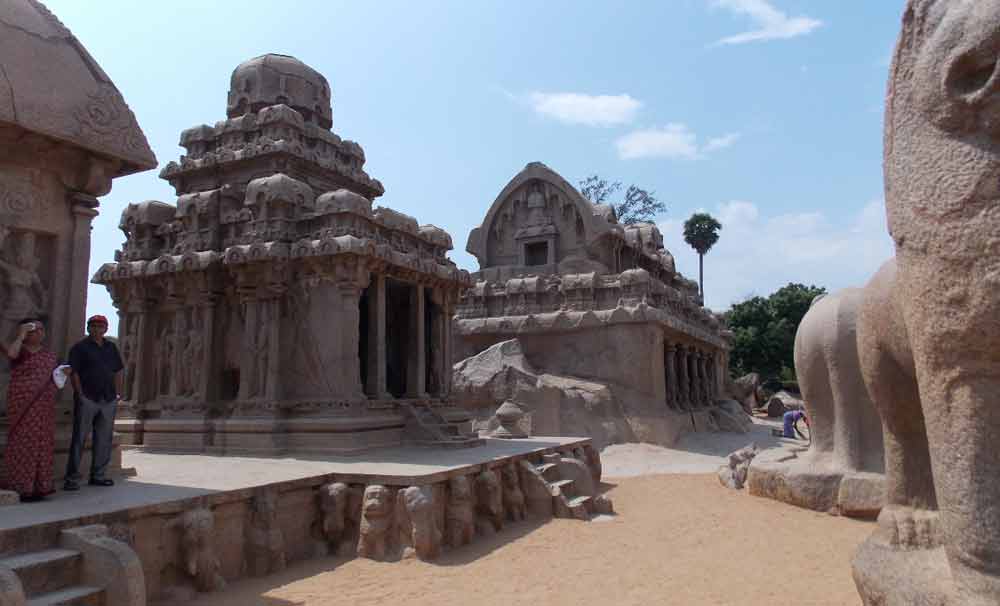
(593, 312)
(65, 133)
(272, 309)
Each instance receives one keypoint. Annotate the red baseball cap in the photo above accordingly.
(97, 320)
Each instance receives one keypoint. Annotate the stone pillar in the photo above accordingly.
(694, 395)
(703, 378)
(139, 391)
(447, 322)
(683, 386)
(438, 335)
(350, 371)
(84, 211)
(203, 387)
(670, 363)
(248, 354)
(713, 392)
(177, 359)
(376, 387)
(272, 390)
(416, 369)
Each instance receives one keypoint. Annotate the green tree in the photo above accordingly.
(764, 330)
(701, 231)
(638, 205)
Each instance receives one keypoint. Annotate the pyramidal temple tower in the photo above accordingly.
(272, 309)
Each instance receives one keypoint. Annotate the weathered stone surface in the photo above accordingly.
(9, 497)
(928, 328)
(417, 521)
(781, 402)
(201, 562)
(845, 449)
(734, 473)
(107, 563)
(557, 404)
(460, 526)
(489, 503)
(513, 498)
(730, 416)
(334, 500)
(376, 522)
(265, 543)
(11, 590)
(745, 391)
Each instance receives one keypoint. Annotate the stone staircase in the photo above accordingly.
(564, 484)
(87, 568)
(426, 427)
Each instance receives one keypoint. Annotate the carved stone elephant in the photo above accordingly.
(842, 469)
(931, 325)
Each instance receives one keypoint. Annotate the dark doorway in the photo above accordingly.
(397, 335)
(536, 253)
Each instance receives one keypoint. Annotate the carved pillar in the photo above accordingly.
(696, 387)
(710, 377)
(447, 312)
(376, 387)
(207, 363)
(248, 353)
(139, 391)
(350, 316)
(438, 334)
(177, 354)
(703, 379)
(416, 364)
(670, 363)
(684, 391)
(272, 390)
(84, 211)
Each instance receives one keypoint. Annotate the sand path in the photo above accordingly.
(678, 539)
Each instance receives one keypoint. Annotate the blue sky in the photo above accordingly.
(766, 113)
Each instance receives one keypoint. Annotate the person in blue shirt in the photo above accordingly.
(791, 424)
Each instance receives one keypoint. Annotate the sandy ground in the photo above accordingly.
(677, 539)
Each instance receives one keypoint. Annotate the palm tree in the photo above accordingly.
(701, 231)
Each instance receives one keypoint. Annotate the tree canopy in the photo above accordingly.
(638, 205)
(701, 231)
(764, 331)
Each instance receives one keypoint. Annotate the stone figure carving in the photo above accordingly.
(376, 522)
(129, 342)
(489, 503)
(513, 499)
(593, 459)
(928, 329)
(194, 356)
(198, 551)
(27, 294)
(460, 512)
(418, 525)
(334, 499)
(265, 544)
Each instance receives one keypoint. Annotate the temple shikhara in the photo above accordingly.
(272, 309)
(568, 294)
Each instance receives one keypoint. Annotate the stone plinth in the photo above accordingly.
(238, 516)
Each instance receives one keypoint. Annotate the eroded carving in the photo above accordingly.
(376, 522)
(265, 547)
(201, 563)
(460, 512)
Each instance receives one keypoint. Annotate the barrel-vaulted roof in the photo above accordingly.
(50, 85)
(597, 222)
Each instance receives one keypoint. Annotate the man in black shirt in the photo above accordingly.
(97, 381)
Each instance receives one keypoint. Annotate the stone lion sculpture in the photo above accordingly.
(489, 503)
(460, 515)
(334, 499)
(377, 510)
(842, 470)
(418, 525)
(930, 323)
(197, 550)
(265, 544)
(513, 498)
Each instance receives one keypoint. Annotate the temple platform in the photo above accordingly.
(183, 510)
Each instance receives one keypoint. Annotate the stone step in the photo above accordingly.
(560, 484)
(45, 571)
(81, 595)
(579, 506)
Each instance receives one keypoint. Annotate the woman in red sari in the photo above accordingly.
(31, 399)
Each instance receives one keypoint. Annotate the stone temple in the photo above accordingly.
(584, 321)
(272, 309)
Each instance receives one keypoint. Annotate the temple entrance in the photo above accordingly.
(397, 336)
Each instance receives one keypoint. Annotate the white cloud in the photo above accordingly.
(675, 141)
(722, 142)
(579, 108)
(758, 254)
(771, 23)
